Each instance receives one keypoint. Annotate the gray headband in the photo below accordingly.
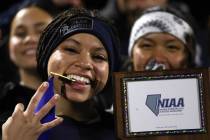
(159, 22)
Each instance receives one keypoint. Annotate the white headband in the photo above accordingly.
(159, 22)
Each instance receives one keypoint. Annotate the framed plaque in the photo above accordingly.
(154, 103)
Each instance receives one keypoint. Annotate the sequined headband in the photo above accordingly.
(160, 22)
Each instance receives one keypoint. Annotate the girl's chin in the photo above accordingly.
(76, 98)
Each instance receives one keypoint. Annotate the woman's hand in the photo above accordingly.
(26, 125)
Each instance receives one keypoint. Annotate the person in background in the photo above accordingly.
(124, 13)
(25, 30)
(58, 6)
(161, 38)
(82, 46)
(8, 71)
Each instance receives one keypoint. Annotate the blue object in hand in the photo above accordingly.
(51, 114)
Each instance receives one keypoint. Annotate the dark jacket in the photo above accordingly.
(10, 95)
(70, 129)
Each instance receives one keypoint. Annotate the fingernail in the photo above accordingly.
(45, 84)
(61, 119)
(57, 96)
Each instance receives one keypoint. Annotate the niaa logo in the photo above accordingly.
(155, 104)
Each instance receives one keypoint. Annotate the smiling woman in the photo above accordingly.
(80, 45)
(93, 60)
(164, 37)
(25, 30)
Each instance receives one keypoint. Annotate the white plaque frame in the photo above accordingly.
(160, 104)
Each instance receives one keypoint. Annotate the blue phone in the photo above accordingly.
(51, 114)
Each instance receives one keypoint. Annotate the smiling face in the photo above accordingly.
(83, 57)
(163, 48)
(26, 28)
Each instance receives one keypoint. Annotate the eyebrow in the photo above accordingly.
(147, 39)
(72, 40)
(19, 27)
(173, 41)
(40, 24)
(100, 49)
(167, 41)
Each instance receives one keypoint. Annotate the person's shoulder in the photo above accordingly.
(13, 90)
(13, 93)
(6, 87)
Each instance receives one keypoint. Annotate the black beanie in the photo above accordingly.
(71, 22)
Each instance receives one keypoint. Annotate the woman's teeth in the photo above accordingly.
(79, 78)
